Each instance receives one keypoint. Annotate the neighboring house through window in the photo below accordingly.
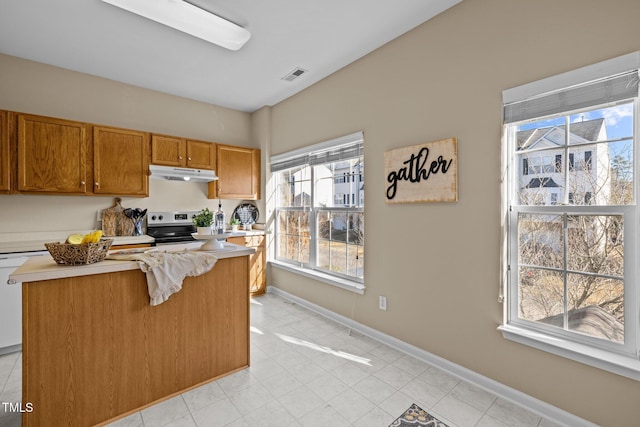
(319, 209)
(571, 213)
(542, 150)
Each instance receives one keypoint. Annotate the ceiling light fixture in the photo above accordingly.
(189, 19)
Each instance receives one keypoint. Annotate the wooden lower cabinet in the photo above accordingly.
(94, 349)
(257, 262)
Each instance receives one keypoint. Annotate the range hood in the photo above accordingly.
(182, 174)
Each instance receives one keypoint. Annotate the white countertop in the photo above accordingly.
(45, 268)
(247, 232)
(32, 242)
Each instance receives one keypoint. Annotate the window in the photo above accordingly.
(539, 164)
(571, 235)
(587, 160)
(558, 163)
(320, 209)
(571, 162)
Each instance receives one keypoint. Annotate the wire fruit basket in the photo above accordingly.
(86, 253)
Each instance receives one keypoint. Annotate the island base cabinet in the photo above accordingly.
(94, 349)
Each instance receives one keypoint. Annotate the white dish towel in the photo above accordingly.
(166, 270)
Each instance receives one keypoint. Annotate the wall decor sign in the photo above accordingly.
(422, 173)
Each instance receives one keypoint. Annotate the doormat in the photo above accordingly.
(415, 416)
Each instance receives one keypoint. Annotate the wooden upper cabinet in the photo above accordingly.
(5, 165)
(168, 150)
(52, 155)
(201, 154)
(238, 174)
(120, 162)
(180, 152)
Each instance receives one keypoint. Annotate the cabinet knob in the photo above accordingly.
(82, 183)
(179, 157)
(188, 158)
(97, 184)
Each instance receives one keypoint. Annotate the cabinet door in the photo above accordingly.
(5, 177)
(201, 155)
(257, 262)
(238, 173)
(168, 150)
(258, 272)
(121, 162)
(52, 155)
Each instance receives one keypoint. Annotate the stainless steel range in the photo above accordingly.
(171, 227)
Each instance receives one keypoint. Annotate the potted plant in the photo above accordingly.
(203, 221)
(235, 223)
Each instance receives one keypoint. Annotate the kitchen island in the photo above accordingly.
(94, 349)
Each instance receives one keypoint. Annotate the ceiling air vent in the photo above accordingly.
(297, 72)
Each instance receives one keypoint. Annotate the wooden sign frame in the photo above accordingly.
(422, 173)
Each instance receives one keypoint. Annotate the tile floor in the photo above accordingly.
(307, 370)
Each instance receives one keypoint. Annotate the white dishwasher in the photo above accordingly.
(11, 301)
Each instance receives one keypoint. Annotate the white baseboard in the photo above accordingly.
(514, 396)
(10, 349)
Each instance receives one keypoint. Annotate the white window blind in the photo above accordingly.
(607, 81)
(334, 150)
(611, 89)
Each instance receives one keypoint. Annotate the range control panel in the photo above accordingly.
(170, 218)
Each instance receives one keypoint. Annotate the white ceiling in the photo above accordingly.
(320, 36)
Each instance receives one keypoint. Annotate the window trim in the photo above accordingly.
(312, 156)
(631, 293)
(622, 363)
(587, 354)
(329, 279)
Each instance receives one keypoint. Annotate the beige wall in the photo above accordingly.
(438, 264)
(31, 87)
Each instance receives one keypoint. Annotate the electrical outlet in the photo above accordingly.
(99, 216)
(382, 303)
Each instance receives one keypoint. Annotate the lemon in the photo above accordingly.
(92, 237)
(79, 239)
(96, 235)
(75, 239)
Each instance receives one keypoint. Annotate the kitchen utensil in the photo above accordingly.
(137, 217)
(116, 222)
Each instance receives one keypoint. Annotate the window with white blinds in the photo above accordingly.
(570, 193)
(319, 208)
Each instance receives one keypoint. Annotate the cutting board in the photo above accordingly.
(115, 222)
